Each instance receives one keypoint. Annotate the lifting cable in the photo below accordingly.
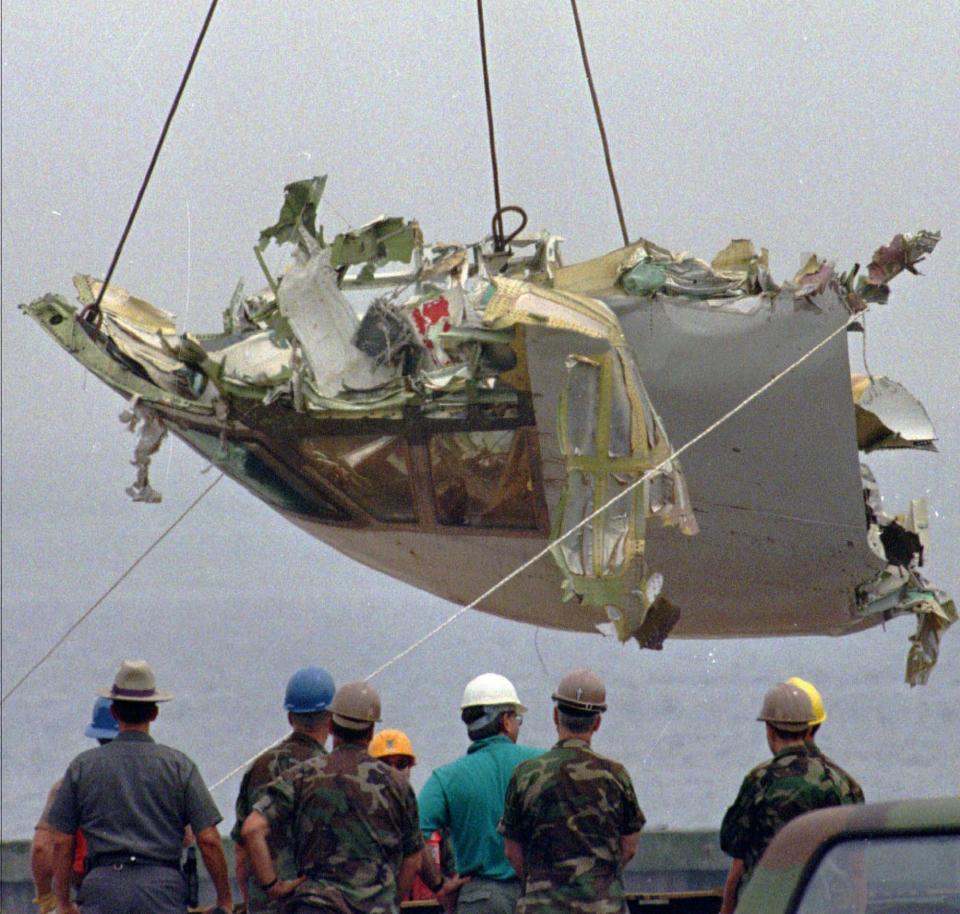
(497, 239)
(586, 520)
(110, 590)
(92, 312)
(603, 132)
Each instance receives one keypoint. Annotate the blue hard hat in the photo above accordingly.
(309, 690)
(102, 725)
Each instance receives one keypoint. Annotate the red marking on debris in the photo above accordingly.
(430, 313)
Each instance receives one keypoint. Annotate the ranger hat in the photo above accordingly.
(356, 705)
(787, 707)
(581, 690)
(135, 682)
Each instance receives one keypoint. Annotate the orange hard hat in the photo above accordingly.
(391, 742)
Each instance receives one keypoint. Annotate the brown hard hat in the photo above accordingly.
(581, 690)
(356, 705)
(787, 707)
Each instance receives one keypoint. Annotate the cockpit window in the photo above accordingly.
(483, 479)
(242, 462)
(371, 470)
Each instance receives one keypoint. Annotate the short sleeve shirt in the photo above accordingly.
(465, 800)
(351, 823)
(44, 820)
(133, 796)
(796, 780)
(568, 810)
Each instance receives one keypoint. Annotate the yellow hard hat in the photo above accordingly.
(391, 742)
(816, 699)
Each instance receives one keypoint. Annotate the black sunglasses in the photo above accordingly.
(401, 764)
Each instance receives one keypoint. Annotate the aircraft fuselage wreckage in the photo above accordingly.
(489, 400)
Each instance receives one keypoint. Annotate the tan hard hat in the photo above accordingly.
(356, 705)
(582, 690)
(787, 707)
(816, 699)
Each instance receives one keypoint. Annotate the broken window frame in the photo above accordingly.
(258, 432)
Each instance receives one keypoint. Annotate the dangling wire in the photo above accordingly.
(92, 312)
(603, 132)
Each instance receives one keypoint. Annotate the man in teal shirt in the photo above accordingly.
(465, 797)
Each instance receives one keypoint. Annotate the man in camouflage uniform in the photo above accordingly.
(796, 780)
(307, 698)
(571, 818)
(819, 716)
(352, 823)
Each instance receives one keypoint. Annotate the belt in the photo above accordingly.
(122, 860)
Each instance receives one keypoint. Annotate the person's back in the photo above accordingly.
(572, 815)
(850, 788)
(464, 798)
(308, 693)
(352, 816)
(571, 818)
(470, 790)
(793, 782)
(135, 795)
(353, 822)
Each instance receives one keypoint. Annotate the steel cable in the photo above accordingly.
(91, 312)
(603, 132)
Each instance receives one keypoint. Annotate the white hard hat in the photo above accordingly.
(491, 689)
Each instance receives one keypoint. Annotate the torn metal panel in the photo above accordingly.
(59, 320)
(900, 588)
(889, 416)
(610, 436)
(325, 324)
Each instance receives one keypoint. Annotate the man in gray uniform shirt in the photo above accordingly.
(132, 799)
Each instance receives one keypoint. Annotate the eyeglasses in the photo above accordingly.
(517, 717)
(401, 764)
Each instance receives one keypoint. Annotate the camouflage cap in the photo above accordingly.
(787, 707)
(356, 705)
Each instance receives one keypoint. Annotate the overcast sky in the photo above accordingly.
(807, 127)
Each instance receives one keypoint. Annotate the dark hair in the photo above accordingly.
(790, 736)
(309, 720)
(576, 722)
(346, 735)
(469, 715)
(134, 712)
(474, 713)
